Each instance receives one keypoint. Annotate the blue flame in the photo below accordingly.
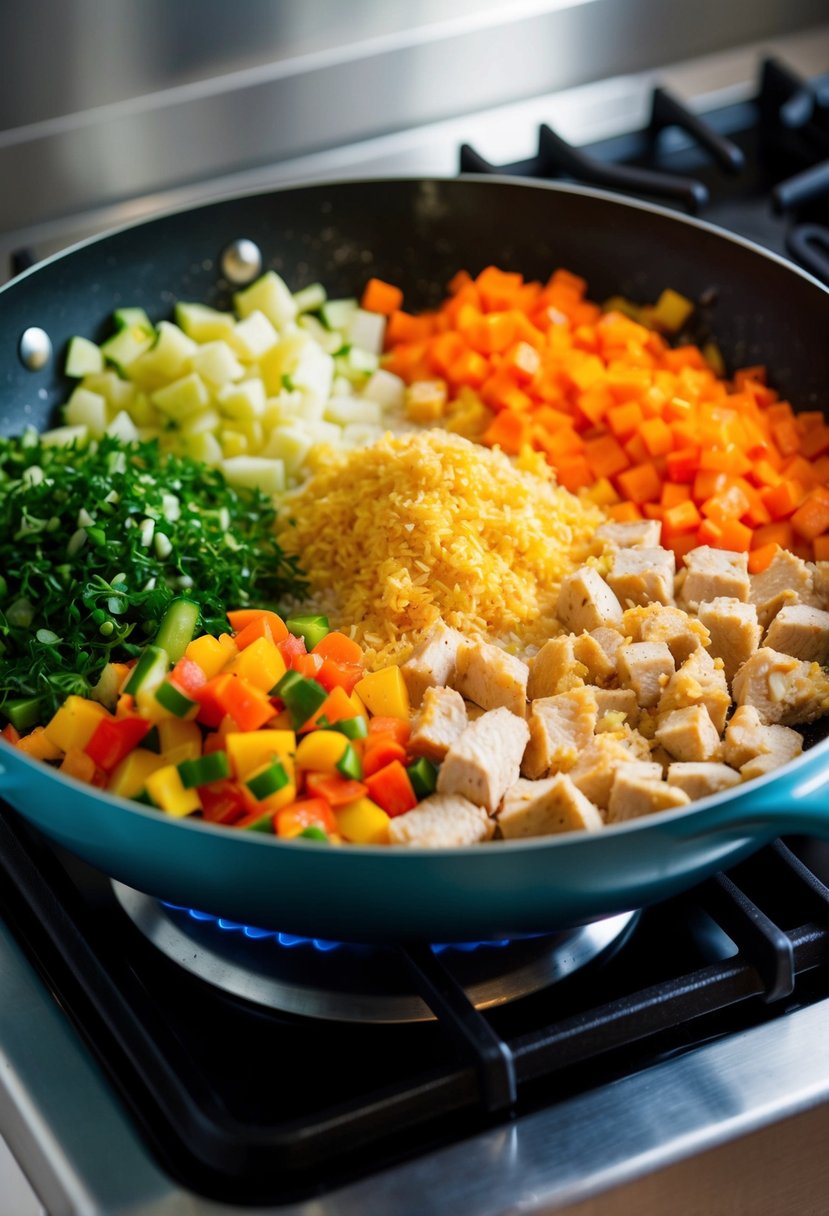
(291, 940)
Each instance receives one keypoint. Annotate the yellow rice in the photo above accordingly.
(424, 526)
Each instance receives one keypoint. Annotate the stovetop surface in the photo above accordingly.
(252, 1105)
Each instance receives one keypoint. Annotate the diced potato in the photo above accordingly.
(88, 410)
(255, 471)
(269, 295)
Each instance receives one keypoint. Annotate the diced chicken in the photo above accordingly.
(585, 601)
(734, 630)
(442, 821)
(643, 576)
(635, 794)
(600, 668)
(699, 681)
(760, 765)
(689, 734)
(713, 573)
(441, 720)
(700, 778)
(617, 701)
(786, 580)
(545, 808)
(802, 631)
(491, 678)
(681, 633)
(485, 761)
(646, 533)
(560, 728)
(646, 667)
(781, 688)
(820, 581)
(610, 639)
(555, 668)
(595, 770)
(432, 663)
(747, 737)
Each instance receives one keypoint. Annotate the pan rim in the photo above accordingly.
(258, 839)
(499, 180)
(564, 840)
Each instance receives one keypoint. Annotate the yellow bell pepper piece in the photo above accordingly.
(363, 822)
(38, 745)
(77, 764)
(178, 740)
(167, 791)
(130, 776)
(321, 751)
(249, 750)
(260, 664)
(384, 692)
(75, 723)
(230, 646)
(209, 653)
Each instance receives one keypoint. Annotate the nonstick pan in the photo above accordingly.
(419, 233)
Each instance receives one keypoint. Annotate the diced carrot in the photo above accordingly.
(241, 618)
(379, 752)
(657, 437)
(812, 517)
(336, 790)
(821, 548)
(761, 558)
(396, 728)
(683, 517)
(783, 499)
(391, 789)
(379, 296)
(640, 484)
(339, 647)
(735, 536)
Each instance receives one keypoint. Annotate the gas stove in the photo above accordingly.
(154, 1059)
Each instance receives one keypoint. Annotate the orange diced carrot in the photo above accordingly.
(640, 484)
(683, 517)
(382, 297)
(812, 517)
(657, 437)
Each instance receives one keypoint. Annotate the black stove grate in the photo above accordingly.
(255, 1106)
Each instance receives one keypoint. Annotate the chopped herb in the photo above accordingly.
(73, 597)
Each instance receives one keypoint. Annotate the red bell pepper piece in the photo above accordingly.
(339, 675)
(291, 648)
(230, 694)
(188, 676)
(309, 812)
(115, 738)
(391, 789)
(10, 733)
(336, 791)
(379, 752)
(222, 802)
(398, 728)
(308, 665)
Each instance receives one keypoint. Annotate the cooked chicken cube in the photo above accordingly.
(699, 681)
(689, 734)
(781, 688)
(646, 667)
(643, 576)
(681, 633)
(747, 737)
(786, 580)
(555, 668)
(442, 821)
(491, 678)
(634, 794)
(595, 770)
(610, 639)
(560, 728)
(700, 778)
(486, 759)
(432, 663)
(616, 701)
(713, 573)
(441, 720)
(820, 580)
(734, 630)
(802, 631)
(545, 808)
(760, 765)
(645, 533)
(585, 601)
(591, 654)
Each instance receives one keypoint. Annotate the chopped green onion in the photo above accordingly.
(423, 776)
(270, 781)
(312, 627)
(215, 766)
(312, 832)
(352, 728)
(350, 765)
(177, 628)
(174, 700)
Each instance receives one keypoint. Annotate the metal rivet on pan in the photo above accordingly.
(34, 348)
(241, 261)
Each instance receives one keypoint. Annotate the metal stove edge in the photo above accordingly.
(81, 1154)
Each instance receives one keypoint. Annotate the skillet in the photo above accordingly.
(418, 233)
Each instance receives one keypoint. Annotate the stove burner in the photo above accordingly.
(358, 983)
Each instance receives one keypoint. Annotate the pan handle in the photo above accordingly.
(797, 805)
